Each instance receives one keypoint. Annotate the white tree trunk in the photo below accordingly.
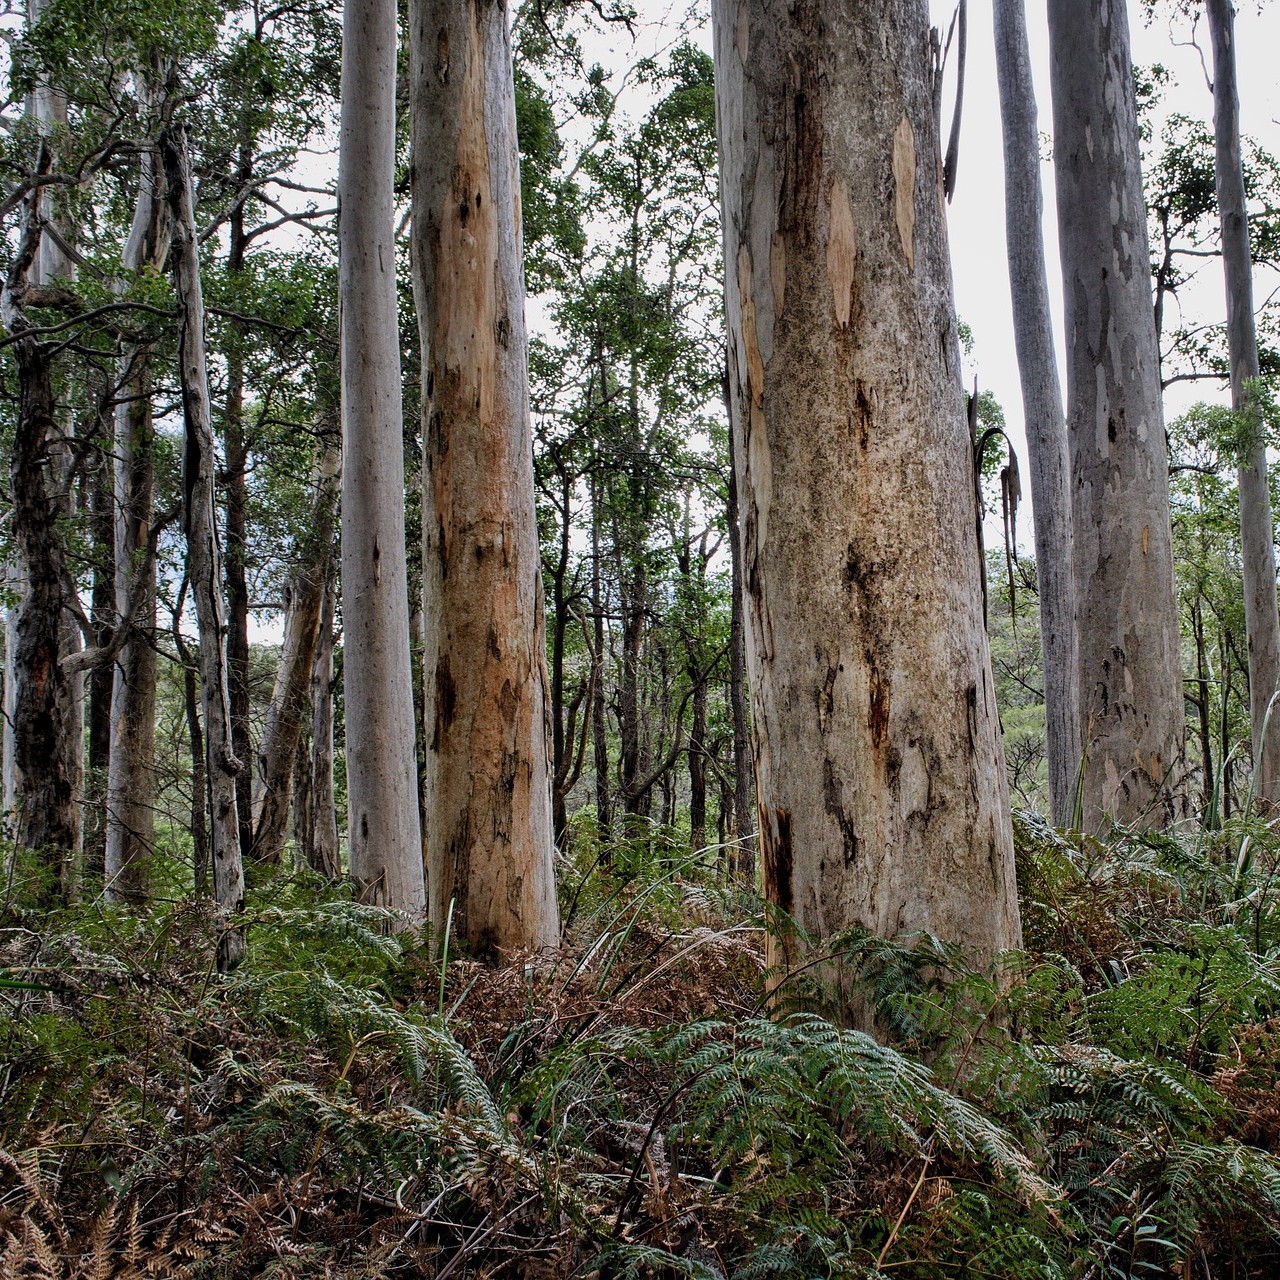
(1257, 534)
(383, 829)
(488, 777)
(881, 787)
(130, 782)
(1046, 426)
(1131, 697)
(204, 555)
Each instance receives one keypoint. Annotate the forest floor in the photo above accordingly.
(345, 1105)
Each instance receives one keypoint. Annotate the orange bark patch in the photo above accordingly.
(842, 252)
(904, 178)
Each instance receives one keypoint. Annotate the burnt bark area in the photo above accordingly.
(47, 817)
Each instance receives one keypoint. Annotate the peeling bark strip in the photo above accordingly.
(1042, 405)
(1257, 541)
(488, 780)
(1130, 678)
(384, 835)
(204, 556)
(881, 784)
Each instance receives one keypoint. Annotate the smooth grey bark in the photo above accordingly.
(487, 794)
(383, 830)
(130, 821)
(204, 555)
(881, 789)
(1257, 534)
(304, 596)
(1046, 427)
(1131, 696)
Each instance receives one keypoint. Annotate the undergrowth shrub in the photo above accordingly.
(1103, 1104)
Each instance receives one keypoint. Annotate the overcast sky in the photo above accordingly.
(977, 214)
(976, 217)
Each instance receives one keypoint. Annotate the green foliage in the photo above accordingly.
(1102, 1104)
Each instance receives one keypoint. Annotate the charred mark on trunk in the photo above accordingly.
(503, 328)
(777, 857)
(833, 801)
(446, 702)
(508, 703)
(826, 695)
(1111, 429)
(464, 209)
(877, 702)
(862, 416)
(442, 549)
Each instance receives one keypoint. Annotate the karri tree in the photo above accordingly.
(1257, 535)
(1046, 429)
(384, 833)
(881, 786)
(487, 802)
(1131, 699)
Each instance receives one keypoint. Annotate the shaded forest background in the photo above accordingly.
(359, 1101)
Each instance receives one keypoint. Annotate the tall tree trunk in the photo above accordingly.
(236, 454)
(698, 760)
(204, 555)
(743, 828)
(1042, 406)
(323, 851)
(304, 595)
(1202, 704)
(599, 717)
(1131, 697)
(882, 796)
(488, 785)
(102, 615)
(195, 745)
(1257, 534)
(130, 781)
(384, 833)
(45, 796)
(637, 798)
(560, 749)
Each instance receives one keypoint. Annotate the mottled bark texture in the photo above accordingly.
(41, 770)
(131, 756)
(384, 833)
(44, 761)
(1131, 700)
(1046, 427)
(881, 791)
(304, 597)
(1257, 535)
(204, 555)
(487, 786)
